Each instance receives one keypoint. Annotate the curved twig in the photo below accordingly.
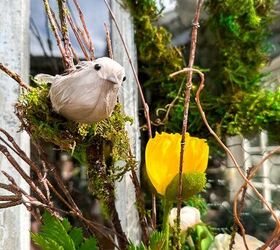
(197, 99)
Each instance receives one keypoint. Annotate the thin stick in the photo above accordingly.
(89, 40)
(59, 29)
(54, 28)
(140, 201)
(252, 172)
(16, 77)
(76, 33)
(109, 42)
(145, 105)
(16, 149)
(36, 33)
(17, 167)
(65, 35)
(186, 114)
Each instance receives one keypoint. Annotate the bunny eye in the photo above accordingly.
(124, 79)
(97, 67)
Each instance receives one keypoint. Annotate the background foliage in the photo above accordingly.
(234, 99)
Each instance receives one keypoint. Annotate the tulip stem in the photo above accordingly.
(167, 205)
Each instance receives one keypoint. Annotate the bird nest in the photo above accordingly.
(37, 116)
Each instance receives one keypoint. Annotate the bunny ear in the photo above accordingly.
(44, 78)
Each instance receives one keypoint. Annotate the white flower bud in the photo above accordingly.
(222, 242)
(189, 217)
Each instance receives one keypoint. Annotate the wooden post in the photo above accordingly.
(234, 179)
(14, 53)
(125, 202)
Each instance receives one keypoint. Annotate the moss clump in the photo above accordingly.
(44, 123)
(157, 58)
(254, 113)
(241, 33)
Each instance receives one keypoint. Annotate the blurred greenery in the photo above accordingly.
(239, 32)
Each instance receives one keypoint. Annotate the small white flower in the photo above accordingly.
(222, 242)
(189, 217)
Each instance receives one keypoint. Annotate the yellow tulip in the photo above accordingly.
(163, 156)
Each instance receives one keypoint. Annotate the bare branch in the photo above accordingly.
(55, 30)
(109, 42)
(16, 77)
(76, 33)
(186, 113)
(65, 35)
(17, 167)
(89, 40)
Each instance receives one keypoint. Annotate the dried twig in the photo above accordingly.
(88, 41)
(55, 31)
(17, 167)
(252, 171)
(76, 33)
(65, 35)
(109, 42)
(15, 76)
(145, 105)
(197, 98)
(186, 113)
(140, 201)
(167, 109)
(59, 29)
(23, 156)
(21, 197)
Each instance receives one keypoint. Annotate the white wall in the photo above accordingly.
(14, 53)
(125, 202)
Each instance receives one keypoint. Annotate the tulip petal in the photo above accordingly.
(163, 156)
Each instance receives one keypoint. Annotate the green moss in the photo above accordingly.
(156, 56)
(254, 112)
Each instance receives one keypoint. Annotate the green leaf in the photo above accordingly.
(54, 234)
(205, 238)
(53, 229)
(140, 247)
(66, 224)
(157, 240)
(44, 243)
(89, 244)
(76, 235)
(60, 235)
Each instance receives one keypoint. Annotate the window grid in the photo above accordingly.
(261, 150)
